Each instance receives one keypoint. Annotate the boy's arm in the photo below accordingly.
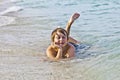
(50, 53)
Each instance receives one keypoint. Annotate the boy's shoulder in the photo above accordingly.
(50, 47)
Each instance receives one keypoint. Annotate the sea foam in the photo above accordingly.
(5, 20)
(12, 9)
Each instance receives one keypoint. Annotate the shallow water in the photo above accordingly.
(25, 34)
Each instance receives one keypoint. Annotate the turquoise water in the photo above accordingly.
(25, 27)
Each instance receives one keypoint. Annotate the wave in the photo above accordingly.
(11, 10)
(8, 1)
(5, 20)
(6, 9)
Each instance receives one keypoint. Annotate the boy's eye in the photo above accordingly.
(58, 37)
(63, 37)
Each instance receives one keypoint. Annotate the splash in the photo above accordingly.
(5, 20)
(12, 9)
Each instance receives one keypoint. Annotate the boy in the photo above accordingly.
(61, 46)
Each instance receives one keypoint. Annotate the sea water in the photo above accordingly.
(25, 28)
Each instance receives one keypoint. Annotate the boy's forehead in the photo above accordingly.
(60, 33)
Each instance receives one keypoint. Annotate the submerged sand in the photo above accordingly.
(16, 64)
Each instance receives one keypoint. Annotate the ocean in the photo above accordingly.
(25, 28)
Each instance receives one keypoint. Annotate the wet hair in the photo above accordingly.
(54, 32)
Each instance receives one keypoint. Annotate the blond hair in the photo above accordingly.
(61, 30)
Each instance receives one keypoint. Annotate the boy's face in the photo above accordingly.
(60, 39)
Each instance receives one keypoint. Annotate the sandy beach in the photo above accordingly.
(25, 28)
(32, 67)
(21, 67)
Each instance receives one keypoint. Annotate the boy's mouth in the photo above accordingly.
(59, 43)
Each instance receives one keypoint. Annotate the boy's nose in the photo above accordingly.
(61, 38)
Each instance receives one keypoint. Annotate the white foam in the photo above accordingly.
(8, 1)
(15, 0)
(11, 10)
(5, 20)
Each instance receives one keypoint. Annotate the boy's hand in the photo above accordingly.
(57, 45)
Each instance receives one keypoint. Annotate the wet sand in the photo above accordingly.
(32, 67)
(21, 63)
(25, 35)
(16, 64)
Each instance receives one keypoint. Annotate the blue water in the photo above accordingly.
(26, 29)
